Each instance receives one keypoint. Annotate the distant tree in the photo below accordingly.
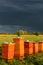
(21, 32)
(36, 33)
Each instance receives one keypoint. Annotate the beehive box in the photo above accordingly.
(35, 48)
(19, 47)
(28, 47)
(8, 50)
(40, 46)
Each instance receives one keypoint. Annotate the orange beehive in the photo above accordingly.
(7, 51)
(19, 47)
(35, 48)
(40, 46)
(28, 47)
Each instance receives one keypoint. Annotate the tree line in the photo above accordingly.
(23, 32)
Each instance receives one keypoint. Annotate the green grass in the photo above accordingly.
(9, 38)
(28, 60)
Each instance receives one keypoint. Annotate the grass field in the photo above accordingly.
(9, 38)
(28, 60)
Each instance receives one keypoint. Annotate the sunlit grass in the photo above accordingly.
(9, 38)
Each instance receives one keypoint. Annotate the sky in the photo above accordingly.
(27, 13)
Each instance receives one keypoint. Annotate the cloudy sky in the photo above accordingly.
(27, 13)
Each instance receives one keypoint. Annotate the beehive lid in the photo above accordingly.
(19, 37)
(7, 43)
(41, 41)
(27, 41)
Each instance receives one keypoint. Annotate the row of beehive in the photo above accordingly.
(19, 48)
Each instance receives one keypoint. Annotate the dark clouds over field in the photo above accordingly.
(22, 12)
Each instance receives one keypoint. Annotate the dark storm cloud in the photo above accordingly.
(22, 12)
(14, 28)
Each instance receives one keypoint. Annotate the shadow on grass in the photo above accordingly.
(0, 58)
(0, 50)
(0, 53)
